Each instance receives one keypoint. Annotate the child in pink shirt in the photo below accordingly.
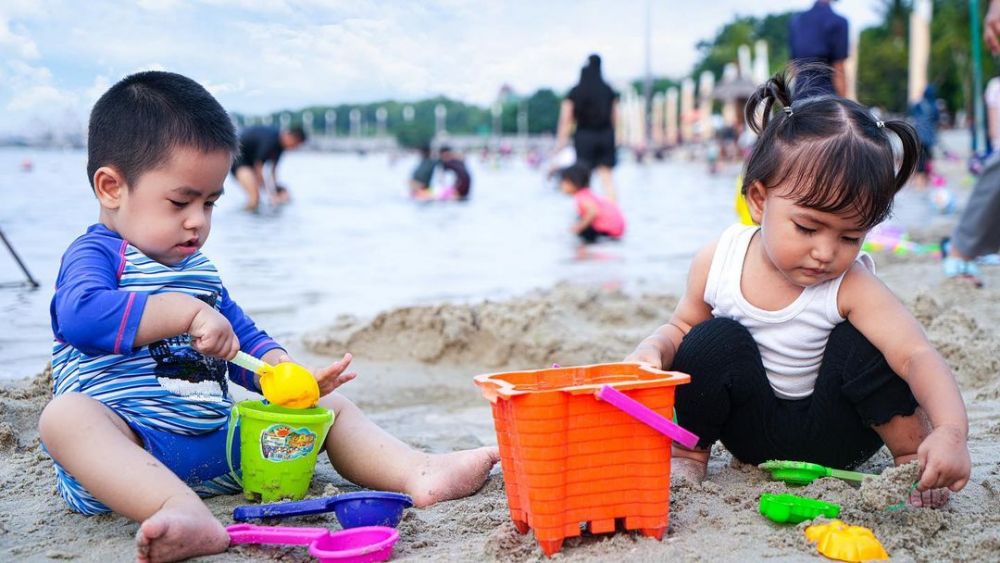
(598, 216)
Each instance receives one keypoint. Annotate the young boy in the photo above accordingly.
(598, 216)
(143, 326)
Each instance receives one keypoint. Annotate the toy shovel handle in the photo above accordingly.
(282, 509)
(847, 475)
(281, 535)
(648, 416)
(248, 362)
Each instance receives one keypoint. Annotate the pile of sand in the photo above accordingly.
(416, 365)
(566, 325)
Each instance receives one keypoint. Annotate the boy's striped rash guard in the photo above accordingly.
(100, 297)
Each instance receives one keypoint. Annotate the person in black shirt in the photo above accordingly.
(258, 145)
(420, 180)
(818, 42)
(593, 106)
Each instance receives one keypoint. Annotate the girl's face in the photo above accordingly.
(806, 246)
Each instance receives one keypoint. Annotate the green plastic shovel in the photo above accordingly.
(803, 473)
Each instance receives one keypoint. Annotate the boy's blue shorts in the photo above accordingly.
(199, 461)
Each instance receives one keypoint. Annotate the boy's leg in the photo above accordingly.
(728, 397)
(100, 451)
(371, 457)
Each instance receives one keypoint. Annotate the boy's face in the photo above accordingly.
(167, 213)
(567, 187)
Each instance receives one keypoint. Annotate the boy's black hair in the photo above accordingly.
(138, 122)
(576, 174)
(835, 154)
(298, 132)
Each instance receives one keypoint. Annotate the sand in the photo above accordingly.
(416, 366)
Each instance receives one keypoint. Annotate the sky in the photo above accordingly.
(258, 56)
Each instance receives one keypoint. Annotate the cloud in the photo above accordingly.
(15, 39)
(32, 87)
(265, 55)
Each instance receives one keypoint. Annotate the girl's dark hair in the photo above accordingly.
(136, 125)
(836, 156)
(576, 174)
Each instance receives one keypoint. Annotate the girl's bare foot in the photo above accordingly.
(931, 498)
(688, 465)
(686, 469)
(452, 475)
(180, 530)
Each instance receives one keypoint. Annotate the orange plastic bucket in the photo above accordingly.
(569, 458)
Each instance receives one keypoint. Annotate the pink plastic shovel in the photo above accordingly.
(357, 545)
(646, 415)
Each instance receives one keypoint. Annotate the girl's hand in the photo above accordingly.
(212, 335)
(646, 354)
(332, 376)
(944, 460)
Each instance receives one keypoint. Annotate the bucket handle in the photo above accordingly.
(234, 417)
(646, 415)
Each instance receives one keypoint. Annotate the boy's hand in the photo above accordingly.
(332, 376)
(944, 459)
(212, 335)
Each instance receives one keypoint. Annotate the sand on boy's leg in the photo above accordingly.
(96, 446)
(903, 435)
(365, 454)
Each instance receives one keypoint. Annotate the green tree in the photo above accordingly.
(716, 53)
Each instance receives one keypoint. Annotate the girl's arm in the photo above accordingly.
(659, 348)
(589, 214)
(889, 326)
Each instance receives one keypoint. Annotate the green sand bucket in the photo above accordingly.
(278, 448)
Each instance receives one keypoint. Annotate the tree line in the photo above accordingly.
(881, 78)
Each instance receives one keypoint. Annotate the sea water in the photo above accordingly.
(352, 242)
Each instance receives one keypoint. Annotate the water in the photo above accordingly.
(352, 243)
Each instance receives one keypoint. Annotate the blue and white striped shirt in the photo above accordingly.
(100, 297)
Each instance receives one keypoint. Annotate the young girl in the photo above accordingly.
(599, 217)
(796, 350)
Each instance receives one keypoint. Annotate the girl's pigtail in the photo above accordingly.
(911, 149)
(774, 90)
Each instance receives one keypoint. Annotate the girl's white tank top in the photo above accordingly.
(791, 340)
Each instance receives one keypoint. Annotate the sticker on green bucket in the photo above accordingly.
(280, 442)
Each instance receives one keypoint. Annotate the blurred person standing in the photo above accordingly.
(925, 119)
(819, 35)
(262, 144)
(592, 106)
(978, 230)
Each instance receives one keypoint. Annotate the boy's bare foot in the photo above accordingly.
(178, 531)
(452, 475)
(686, 469)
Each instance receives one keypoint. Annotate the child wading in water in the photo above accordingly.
(796, 349)
(143, 326)
(599, 217)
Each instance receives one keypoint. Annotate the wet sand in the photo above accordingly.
(416, 366)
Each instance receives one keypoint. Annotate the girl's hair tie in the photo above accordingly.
(880, 124)
(789, 112)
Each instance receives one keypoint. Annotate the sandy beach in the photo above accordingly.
(416, 367)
